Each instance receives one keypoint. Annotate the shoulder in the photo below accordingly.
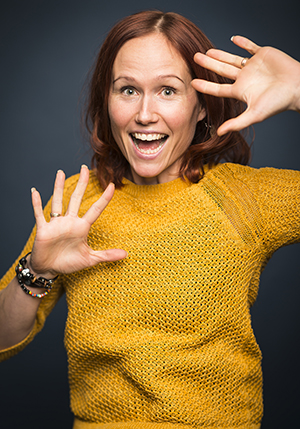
(254, 176)
(267, 186)
(266, 198)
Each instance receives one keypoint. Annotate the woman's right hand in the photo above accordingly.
(60, 245)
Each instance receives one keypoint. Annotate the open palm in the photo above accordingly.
(269, 83)
(61, 245)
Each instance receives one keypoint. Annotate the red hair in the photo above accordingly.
(207, 147)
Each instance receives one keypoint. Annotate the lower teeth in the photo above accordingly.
(149, 151)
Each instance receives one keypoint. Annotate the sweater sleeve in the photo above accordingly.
(277, 194)
(49, 301)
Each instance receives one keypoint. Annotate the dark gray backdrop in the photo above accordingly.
(47, 48)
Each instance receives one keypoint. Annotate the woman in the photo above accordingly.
(158, 331)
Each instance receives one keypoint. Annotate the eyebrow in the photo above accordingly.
(164, 76)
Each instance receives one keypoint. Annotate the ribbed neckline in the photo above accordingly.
(158, 190)
(150, 191)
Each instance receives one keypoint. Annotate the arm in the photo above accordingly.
(60, 247)
(268, 83)
(17, 314)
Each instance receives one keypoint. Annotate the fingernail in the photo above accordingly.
(32, 190)
(84, 166)
(58, 171)
(231, 38)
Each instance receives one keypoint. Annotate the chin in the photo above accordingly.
(147, 172)
(146, 177)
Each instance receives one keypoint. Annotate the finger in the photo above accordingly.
(217, 66)
(246, 44)
(37, 208)
(56, 204)
(237, 124)
(225, 57)
(97, 208)
(77, 195)
(212, 88)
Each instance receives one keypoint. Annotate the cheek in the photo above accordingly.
(184, 122)
(183, 116)
(117, 115)
(118, 121)
(113, 116)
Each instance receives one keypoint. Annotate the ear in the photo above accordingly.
(201, 113)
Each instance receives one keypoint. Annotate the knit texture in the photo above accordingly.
(163, 339)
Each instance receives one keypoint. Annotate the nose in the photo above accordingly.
(147, 113)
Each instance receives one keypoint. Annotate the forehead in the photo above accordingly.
(152, 54)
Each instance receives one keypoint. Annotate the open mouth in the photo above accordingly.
(148, 143)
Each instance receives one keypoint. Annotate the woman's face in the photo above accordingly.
(153, 108)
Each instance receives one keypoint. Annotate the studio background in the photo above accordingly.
(47, 48)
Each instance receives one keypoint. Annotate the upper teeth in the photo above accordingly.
(148, 137)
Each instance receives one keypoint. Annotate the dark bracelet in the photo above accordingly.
(25, 277)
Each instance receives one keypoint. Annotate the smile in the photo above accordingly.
(148, 143)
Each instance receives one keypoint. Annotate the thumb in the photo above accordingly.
(242, 121)
(109, 255)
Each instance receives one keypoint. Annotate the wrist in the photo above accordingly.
(26, 278)
(49, 275)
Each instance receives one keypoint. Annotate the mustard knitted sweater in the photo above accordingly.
(163, 339)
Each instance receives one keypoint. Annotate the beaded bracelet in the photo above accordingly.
(29, 279)
(34, 295)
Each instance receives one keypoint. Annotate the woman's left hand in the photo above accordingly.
(268, 83)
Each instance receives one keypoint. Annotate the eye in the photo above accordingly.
(127, 90)
(168, 91)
